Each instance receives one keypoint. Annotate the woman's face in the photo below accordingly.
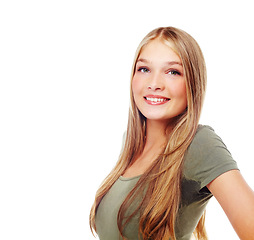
(158, 83)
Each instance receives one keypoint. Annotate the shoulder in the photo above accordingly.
(205, 141)
(205, 136)
(207, 157)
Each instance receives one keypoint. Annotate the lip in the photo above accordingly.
(156, 99)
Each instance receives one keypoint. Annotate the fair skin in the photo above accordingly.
(160, 93)
(237, 200)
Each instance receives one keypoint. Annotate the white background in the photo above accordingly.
(64, 98)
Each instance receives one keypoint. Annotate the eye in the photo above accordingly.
(143, 70)
(174, 72)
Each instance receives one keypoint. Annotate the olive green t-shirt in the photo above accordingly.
(206, 158)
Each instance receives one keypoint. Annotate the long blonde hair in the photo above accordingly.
(158, 209)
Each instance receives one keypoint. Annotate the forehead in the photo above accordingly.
(157, 51)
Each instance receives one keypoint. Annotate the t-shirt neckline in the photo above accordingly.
(129, 178)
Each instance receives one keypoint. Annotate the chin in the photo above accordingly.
(156, 118)
(163, 118)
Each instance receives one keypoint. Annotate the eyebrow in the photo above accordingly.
(169, 63)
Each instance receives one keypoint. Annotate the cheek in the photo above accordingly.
(183, 91)
(136, 85)
(179, 91)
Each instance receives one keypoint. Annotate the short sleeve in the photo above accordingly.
(207, 157)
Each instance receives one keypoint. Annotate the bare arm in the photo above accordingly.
(237, 200)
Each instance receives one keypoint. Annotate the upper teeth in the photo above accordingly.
(156, 99)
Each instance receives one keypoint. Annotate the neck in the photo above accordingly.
(155, 133)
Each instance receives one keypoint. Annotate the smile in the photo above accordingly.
(156, 100)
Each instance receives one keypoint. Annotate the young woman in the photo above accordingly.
(170, 166)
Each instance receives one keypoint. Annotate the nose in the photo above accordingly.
(156, 83)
